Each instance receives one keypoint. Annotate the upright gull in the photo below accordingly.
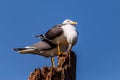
(64, 33)
(60, 38)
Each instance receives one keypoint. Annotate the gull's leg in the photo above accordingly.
(59, 52)
(69, 48)
(52, 61)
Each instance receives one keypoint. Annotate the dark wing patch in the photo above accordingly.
(44, 45)
(54, 32)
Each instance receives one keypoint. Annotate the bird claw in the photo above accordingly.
(59, 53)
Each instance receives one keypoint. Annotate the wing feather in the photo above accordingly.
(44, 45)
(54, 32)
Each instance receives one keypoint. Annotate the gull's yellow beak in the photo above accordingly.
(74, 23)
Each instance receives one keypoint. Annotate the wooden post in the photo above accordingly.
(66, 69)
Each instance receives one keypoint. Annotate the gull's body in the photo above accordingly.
(58, 39)
(62, 34)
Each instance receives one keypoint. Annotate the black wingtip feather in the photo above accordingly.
(18, 49)
(38, 36)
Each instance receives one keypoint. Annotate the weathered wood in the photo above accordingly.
(66, 69)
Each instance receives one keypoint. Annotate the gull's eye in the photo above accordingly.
(68, 21)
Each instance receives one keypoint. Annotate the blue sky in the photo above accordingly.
(98, 47)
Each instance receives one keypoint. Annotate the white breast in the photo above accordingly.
(70, 33)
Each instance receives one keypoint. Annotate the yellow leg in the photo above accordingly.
(59, 49)
(52, 61)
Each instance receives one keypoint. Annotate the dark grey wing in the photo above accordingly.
(36, 48)
(44, 45)
(54, 32)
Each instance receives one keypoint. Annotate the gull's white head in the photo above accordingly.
(68, 21)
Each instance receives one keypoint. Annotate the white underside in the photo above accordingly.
(69, 36)
(70, 33)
